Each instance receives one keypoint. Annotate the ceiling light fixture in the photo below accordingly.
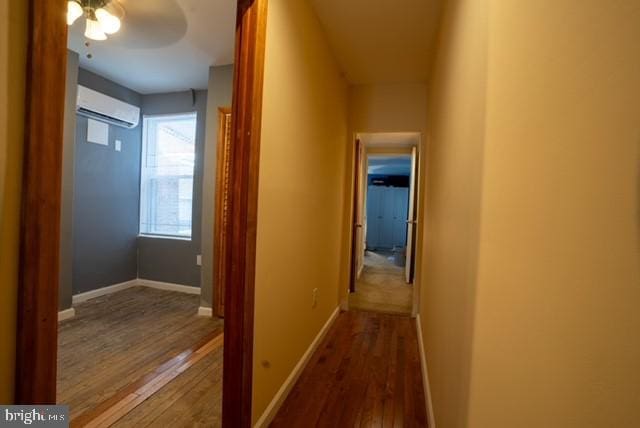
(94, 30)
(74, 11)
(109, 23)
(99, 21)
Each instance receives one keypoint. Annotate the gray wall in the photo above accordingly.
(220, 93)
(106, 198)
(174, 260)
(66, 212)
(100, 212)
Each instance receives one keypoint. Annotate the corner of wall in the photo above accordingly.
(219, 94)
(68, 159)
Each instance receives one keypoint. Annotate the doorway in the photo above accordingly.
(385, 214)
(41, 232)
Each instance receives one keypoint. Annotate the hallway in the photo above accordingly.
(366, 372)
(381, 286)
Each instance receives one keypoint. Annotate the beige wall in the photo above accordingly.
(535, 320)
(394, 107)
(13, 24)
(300, 203)
(454, 167)
(557, 321)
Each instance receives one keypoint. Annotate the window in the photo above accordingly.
(166, 184)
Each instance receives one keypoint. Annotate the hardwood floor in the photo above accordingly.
(194, 399)
(381, 287)
(134, 355)
(365, 373)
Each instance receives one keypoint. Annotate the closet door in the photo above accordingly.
(400, 204)
(386, 218)
(374, 217)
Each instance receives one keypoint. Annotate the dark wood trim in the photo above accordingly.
(355, 225)
(243, 204)
(223, 165)
(37, 332)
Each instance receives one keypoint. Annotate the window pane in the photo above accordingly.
(168, 159)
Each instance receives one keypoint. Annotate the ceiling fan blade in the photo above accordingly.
(148, 23)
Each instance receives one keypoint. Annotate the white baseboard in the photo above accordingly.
(169, 286)
(66, 314)
(425, 376)
(83, 297)
(273, 407)
(205, 312)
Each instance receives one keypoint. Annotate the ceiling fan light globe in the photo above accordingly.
(74, 11)
(110, 24)
(94, 31)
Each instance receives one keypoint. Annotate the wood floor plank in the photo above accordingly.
(388, 408)
(353, 399)
(208, 369)
(345, 376)
(188, 404)
(122, 370)
(366, 373)
(120, 341)
(163, 378)
(328, 361)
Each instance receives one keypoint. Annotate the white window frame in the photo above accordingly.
(143, 182)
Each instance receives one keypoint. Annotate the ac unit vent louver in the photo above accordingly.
(102, 107)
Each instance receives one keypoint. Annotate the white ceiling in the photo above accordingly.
(381, 41)
(163, 45)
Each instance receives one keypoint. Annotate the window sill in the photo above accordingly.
(169, 237)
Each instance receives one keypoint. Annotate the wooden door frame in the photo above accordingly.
(37, 323)
(240, 255)
(221, 223)
(355, 218)
(36, 343)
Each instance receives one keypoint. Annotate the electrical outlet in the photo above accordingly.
(315, 298)
(118, 145)
(199, 260)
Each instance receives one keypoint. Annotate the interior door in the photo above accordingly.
(364, 189)
(411, 219)
(374, 201)
(387, 218)
(400, 215)
(357, 232)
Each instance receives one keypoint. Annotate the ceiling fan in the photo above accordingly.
(99, 15)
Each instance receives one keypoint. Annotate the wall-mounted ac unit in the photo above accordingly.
(102, 107)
